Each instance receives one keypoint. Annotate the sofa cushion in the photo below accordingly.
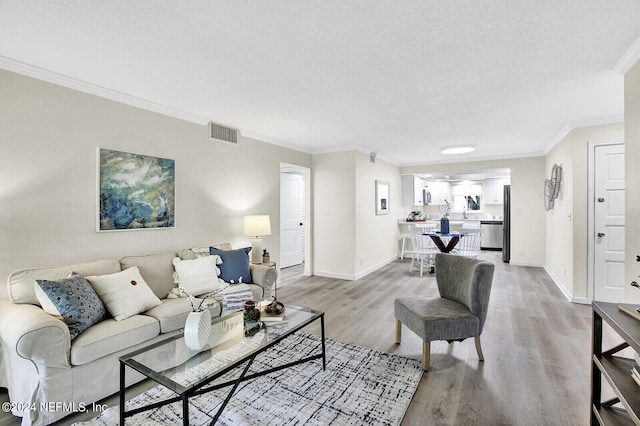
(172, 313)
(21, 283)
(110, 336)
(124, 293)
(73, 300)
(156, 269)
(198, 276)
(235, 264)
(195, 252)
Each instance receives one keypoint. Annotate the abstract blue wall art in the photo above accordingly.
(135, 191)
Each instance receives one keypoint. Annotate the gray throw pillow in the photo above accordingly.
(73, 300)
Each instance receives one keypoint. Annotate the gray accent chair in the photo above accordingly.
(460, 311)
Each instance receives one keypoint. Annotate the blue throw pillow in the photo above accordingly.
(73, 300)
(235, 264)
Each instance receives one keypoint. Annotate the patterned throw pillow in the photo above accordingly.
(73, 300)
(235, 264)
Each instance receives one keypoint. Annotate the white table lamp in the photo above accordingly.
(257, 226)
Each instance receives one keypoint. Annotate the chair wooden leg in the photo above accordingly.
(398, 331)
(426, 355)
(479, 348)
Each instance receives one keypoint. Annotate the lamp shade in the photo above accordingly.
(257, 225)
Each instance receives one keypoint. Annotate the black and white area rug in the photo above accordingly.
(359, 387)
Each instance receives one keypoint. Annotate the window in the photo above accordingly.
(466, 196)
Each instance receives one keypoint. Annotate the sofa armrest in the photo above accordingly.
(265, 277)
(34, 334)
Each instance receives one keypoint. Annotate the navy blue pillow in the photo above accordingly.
(235, 264)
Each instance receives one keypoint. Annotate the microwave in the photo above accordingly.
(426, 197)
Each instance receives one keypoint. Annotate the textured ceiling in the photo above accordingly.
(402, 79)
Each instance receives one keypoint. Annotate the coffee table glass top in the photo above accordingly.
(171, 363)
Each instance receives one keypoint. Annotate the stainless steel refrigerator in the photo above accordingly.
(506, 225)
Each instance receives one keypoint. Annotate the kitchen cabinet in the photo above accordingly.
(494, 190)
(413, 190)
(440, 191)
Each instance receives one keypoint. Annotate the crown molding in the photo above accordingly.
(564, 131)
(93, 89)
(273, 141)
(356, 148)
(629, 59)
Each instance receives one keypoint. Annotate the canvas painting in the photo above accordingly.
(382, 197)
(135, 191)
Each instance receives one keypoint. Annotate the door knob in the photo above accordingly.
(600, 234)
(601, 200)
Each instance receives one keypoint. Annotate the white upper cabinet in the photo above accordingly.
(413, 190)
(494, 190)
(440, 191)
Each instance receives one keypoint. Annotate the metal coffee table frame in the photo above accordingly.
(186, 392)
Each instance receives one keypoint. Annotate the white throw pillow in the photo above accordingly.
(124, 293)
(198, 276)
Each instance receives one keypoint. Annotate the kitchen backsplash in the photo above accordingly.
(489, 211)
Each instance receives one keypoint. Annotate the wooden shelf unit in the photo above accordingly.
(615, 369)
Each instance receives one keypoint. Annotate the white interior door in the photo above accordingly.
(292, 220)
(609, 223)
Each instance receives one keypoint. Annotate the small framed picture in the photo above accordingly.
(382, 197)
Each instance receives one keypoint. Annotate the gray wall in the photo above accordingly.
(49, 136)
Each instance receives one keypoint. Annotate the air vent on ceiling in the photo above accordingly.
(222, 133)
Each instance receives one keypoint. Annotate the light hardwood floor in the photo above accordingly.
(536, 346)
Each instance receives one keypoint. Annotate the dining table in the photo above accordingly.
(451, 238)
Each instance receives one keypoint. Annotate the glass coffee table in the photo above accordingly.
(232, 343)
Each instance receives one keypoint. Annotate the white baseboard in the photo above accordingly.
(581, 300)
(352, 277)
(333, 275)
(375, 268)
(532, 264)
(564, 291)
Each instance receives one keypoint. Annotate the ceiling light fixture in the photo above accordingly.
(457, 149)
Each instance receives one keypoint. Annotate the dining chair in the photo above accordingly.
(459, 313)
(424, 226)
(423, 250)
(469, 244)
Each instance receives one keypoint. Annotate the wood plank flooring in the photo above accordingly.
(536, 346)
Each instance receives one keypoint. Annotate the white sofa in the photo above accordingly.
(48, 375)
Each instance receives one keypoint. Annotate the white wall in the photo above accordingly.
(566, 257)
(376, 236)
(632, 180)
(334, 217)
(49, 135)
(350, 240)
(527, 207)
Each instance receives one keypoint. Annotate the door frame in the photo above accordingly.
(308, 239)
(591, 196)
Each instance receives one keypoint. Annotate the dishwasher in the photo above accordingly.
(491, 235)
